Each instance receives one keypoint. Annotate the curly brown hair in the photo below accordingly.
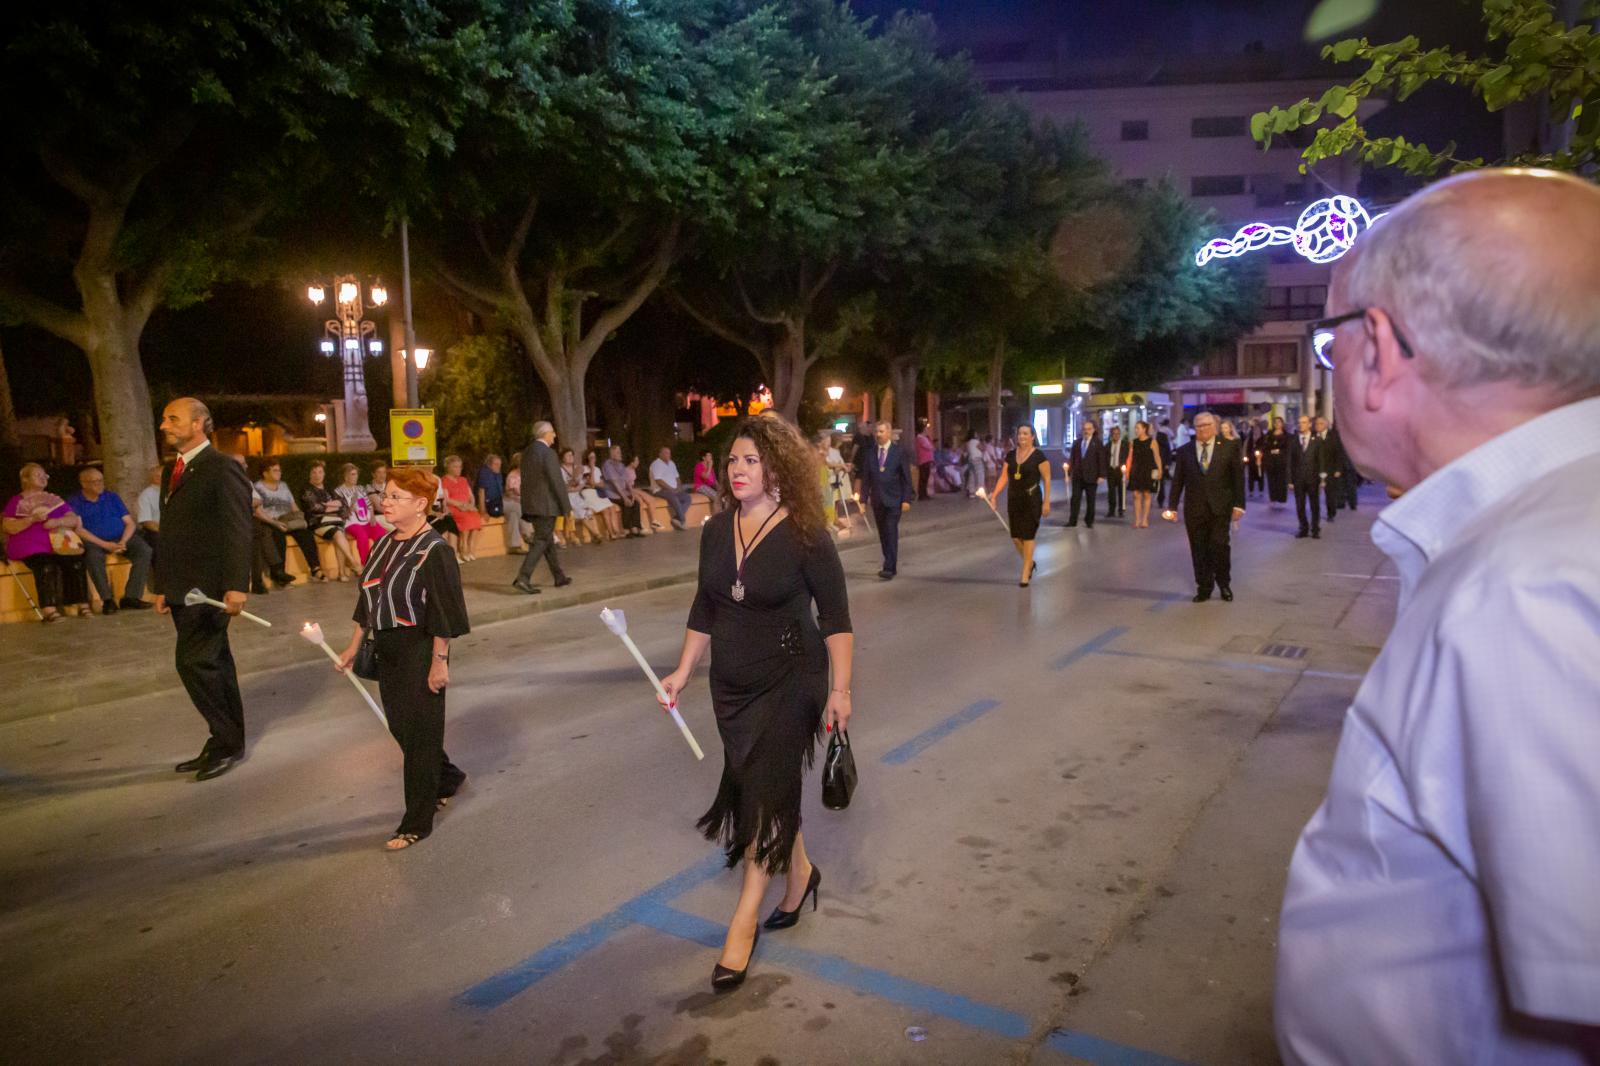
(790, 461)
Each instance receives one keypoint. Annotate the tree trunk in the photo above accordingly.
(571, 416)
(122, 407)
(8, 413)
(997, 367)
(789, 366)
(903, 375)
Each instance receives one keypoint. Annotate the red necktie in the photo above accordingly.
(177, 472)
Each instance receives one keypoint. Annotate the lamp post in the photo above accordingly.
(351, 337)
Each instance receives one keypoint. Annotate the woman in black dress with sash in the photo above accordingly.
(764, 560)
(1144, 473)
(1275, 459)
(1027, 475)
(411, 600)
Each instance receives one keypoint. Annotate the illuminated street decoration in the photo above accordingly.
(1324, 232)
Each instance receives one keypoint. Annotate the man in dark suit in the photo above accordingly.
(1333, 462)
(544, 500)
(886, 478)
(1164, 448)
(1307, 471)
(1116, 460)
(206, 531)
(1086, 468)
(1211, 472)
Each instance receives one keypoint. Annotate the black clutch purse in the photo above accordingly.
(365, 664)
(838, 773)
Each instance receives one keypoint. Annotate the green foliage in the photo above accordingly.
(1535, 57)
(480, 395)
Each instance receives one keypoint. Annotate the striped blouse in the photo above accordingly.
(412, 583)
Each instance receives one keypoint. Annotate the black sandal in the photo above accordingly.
(406, 840)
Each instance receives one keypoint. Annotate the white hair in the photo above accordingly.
(1479, 301)
(542, 427)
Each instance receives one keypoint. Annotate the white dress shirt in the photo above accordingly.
(664, 471)
(1452, 875)
(149, 505)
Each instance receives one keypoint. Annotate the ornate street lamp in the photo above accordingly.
(835, 393)
(349, 335)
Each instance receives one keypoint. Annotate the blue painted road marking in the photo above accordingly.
(1104, 1052)
(1234, 664)
(929, 737)
(1088, 647)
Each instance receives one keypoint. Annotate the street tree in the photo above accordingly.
(1532, 56)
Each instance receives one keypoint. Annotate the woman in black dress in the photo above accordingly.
(1144, 473)
(764, 560)
(1027, 474)
(411, 599)
(1275, 458)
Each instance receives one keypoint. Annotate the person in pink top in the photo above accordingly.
(30, 517)
(705, 479)
(924, 460)
(361, 521)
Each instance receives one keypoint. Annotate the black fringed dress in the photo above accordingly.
(769, 678)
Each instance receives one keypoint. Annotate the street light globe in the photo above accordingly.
(352, 345)
(835, 392)
(328, 347)
(348, 292)
(321, 416)
(316, 294)
(423, 354)
(375, 347)
(380, 295)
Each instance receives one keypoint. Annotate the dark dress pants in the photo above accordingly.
(1332, 491)
(1302, 495)
(58, 579)
(308, 548)
(138, 555)
(416, 719)
(542, 546)
(1083, 492)
(1211, 551)
(205, 665)
(888, 520)
(1116, 494)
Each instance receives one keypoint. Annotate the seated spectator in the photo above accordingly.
(375, 487)
(361, 521)
(618, 478)
(664, 483)
(517, 530)
(490, 487)
(594, 497)
(275, 508)
(443, 522)
(947, 468)
(463, 508)
(585, 513)
(30, 518)
(148, 507)
(108, 529)
(705, 480)
(325, 515)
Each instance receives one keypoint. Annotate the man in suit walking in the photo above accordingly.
(1211, 472)
(544, 500)
(1307, 471)
(1116, 460)
(206, 531)
(886, 476)
(1333, 462)
(1086, 468)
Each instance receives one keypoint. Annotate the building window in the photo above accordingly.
(1217, 185)
(1136, 130)
(1220, 126)
(1296, 303)
(1275, 358)
(1224, 362)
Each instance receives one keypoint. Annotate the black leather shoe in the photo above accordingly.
(563, 581)
(1227, 594)
(1201, 597)
(108, 607)
(1302, 534)
(523, 586)
(1316, 534)
(134, 605)
(782, 919)
(189, 766)
(885, 575)
(216, 766)
(726, 980)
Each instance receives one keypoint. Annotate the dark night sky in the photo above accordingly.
(263, 338)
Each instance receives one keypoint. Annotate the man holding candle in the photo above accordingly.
(206, 531)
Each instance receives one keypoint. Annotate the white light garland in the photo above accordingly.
(1324, 231)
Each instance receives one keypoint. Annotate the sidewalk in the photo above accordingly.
(82, 662)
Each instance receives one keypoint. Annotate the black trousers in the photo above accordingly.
(925, 476)
(302, 537)
(1308, 493)
(888, 521)
(59, 580)
(1255, 479)
(205, 665)
(266, 557)
(631, 519)
(1083, 492)
(1211, 550)
(416, 719)
(1352, 481)
(1116, 494)
(542, 546)
(1332, 492)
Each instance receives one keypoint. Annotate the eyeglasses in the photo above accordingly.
(1320, 333)
(390, 497)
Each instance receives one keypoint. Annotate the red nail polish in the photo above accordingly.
(828, 728)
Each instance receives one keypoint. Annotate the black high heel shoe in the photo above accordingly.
(726, 980)
(782, 919)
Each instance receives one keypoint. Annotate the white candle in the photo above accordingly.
(195, 597)
(618, 624)
(312, 632)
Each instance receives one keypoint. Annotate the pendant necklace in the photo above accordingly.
(744, 552)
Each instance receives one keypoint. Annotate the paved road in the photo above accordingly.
(1076, 807)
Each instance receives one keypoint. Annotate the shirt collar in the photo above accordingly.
(188, 456)
(1427, 519)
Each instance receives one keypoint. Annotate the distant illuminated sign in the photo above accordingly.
(1052, 389)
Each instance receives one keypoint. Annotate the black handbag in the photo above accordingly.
(838, 773)
(365, 664)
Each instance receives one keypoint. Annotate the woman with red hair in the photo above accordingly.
(411, 603)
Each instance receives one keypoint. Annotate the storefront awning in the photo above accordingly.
(1103, 400)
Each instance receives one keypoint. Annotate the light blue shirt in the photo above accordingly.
(1458, 850)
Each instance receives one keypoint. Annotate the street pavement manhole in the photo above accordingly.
(1283, 651)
